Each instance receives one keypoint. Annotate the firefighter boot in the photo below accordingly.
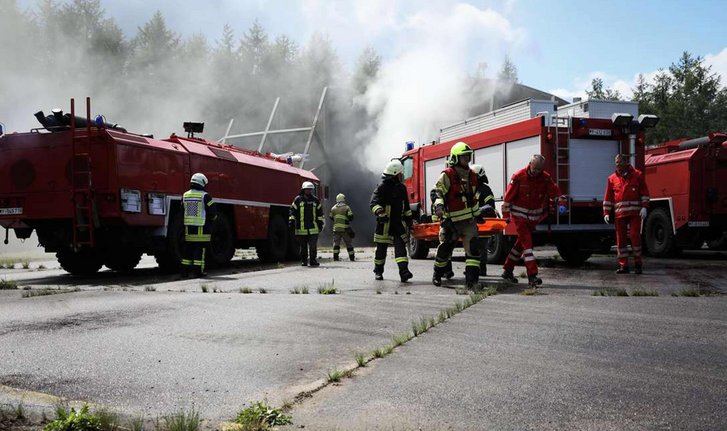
(335, 257)
(471, 276)
(534, 281)
(351, 254)
(314, 263)
(509, 276)
(483, 262)
(639, 269)
(623, 270)
(379, 272)
(304, 263)
(437, 276)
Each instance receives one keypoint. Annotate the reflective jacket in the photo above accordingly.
(456, 191)
(626, 193)
(486, 200)
(307, 213)
(198, 211)
(527, 196)
(342, 217)
(390, 195)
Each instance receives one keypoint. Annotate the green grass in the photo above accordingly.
(360, 359)
(13, 414)
(8, 284)
(204, 288)
(378, 353)
(530, 292)
(611, 291)
(695, 292)
(304, 290)
(262, 290)
(336, 375)
(137, 423)
(398, 340)
(108, 420)
(328, 288)
(72, 420)
(245, 290)
(8, 263)
(461, 291)
(46, 292)
(644, 292)
(183, 420)
(150, 289)
(25, 263)
(379, 291)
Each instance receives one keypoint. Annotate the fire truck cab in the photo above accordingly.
(579, 142)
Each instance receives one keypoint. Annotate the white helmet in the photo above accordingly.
(394, 167)
(340, 197)
(478, 170)
(307, 185)
(199, 179)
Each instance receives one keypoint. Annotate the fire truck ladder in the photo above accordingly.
(81, 182)
(562, 161)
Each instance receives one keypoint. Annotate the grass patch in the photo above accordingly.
(523, 274)
(644, 292)
(46, 292)
(328, 288)
(378, 353)
(261, 290)
(695, 292)
(245, 290)
(336, 375)
(137, 423)
(611, 291)
(299, 290)
(108, 420)
(150, 289)
(529, 292)
(72, 420)
(398, 340)
(460, 291)
(10, 413)
(183, 420)
(41, 267)
(204, 288)
(360, 359)
(8, 284)
(8, 263)
(25, 263)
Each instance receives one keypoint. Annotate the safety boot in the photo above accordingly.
(304, 263)
(405, 275)
(437, 279)
(509, 276)
(448, 273)
(483, 271)
(534, 281)
(351, 258)
(623, 270)
(378, 276)
(314, 262)
(335, 258)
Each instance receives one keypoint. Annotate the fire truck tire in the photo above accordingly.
(497, 248)
(659, 234)
(122, 260)
(275, 246)
(222, 247)
(85, 262)
(572, 255)
(418, 249)
(719, 243)
(170, 259)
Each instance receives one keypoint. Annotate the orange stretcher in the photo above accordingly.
(430, 231)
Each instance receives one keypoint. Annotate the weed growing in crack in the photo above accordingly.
(336, 375)
(204, 288)
(262, 290)
(45, 292)
(245, 290)
(611, 291)
(150, 289)
(360, 359)
(8, 284)
(398, 340)
(183, 420)
(644, 292)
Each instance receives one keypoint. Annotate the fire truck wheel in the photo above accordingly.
(659, 234)
(169, 259)
(719, 243)
(274, 247)
(497, 247)
(222, 247)
(572, 254)
(418, 249)
(123, 260)
(85, 262)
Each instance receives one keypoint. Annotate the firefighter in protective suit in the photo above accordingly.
(486, 201)
(457, 207)
(390, 205)
(627, 194)
(199, 214)
(306, 218)
(342, 216)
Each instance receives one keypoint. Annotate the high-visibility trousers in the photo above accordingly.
(628, 227)
(523, 248)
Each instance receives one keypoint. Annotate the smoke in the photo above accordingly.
(155, 79)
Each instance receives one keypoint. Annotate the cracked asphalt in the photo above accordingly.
(563, 359)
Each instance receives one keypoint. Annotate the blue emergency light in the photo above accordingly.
(100, 120)
(409, 145)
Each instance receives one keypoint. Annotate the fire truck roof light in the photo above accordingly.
(647, 120)
(620, 119)
(99, 120)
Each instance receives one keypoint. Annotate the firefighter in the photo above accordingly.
(486, 201)
(457, 207)
(199, 214)
(390, 205)
(306, 218)
(342, 216)
(525, 203)
(627, 194)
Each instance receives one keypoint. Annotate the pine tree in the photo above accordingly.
(508, 71)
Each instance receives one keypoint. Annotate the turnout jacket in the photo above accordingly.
(390, 195)
(307, 214)
(455, 190)
(485, 200)
(342, 217)
(527, 196)
(626, 193)
(199, 212)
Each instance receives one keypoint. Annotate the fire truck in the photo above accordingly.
(579, 142)
(687, 180)
(96, 194)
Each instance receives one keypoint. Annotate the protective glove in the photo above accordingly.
(607, 218)
(382, 218)
(642, 213)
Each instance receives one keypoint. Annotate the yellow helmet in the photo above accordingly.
(458, 149)
(340, 197)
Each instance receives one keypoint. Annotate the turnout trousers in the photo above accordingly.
(628, 227)
(467, 230)
(402, 261)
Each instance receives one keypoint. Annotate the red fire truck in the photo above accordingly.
(579, 142)
(687, 180)
(98, 195)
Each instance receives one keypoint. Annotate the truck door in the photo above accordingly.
(590, 163)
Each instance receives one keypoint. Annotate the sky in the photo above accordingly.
(557, 46)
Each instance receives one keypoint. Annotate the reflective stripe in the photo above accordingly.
(194, 209)
(627, 203)
(379, 261)
(402, 259)
(514, 257)
(440, 263)
(626, 209)
(195, 234)
(383, 239)
(376, 208)
(472, 262)
(528, 251)
(529, 258)
(526, 210)
(525, 216)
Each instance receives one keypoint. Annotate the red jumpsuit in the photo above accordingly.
(525, 202)
(626, 193)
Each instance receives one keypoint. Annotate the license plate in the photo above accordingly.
(10, 211)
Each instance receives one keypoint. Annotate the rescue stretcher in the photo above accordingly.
(430, 231)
